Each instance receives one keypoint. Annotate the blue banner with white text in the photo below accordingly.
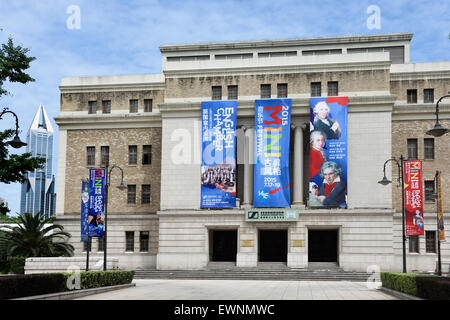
(271, 172)
(218, 170)
(96, 209)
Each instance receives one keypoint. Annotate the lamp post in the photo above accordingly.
(438, 130)
(386, 181)
(120, 187)
(15, 142)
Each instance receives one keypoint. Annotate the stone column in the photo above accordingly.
(298, 168)
(248, 167)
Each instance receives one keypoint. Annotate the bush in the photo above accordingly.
(96, 279)
(4, 265)
(403, 282)
(17, 286)
(433, 288)
(17, 265)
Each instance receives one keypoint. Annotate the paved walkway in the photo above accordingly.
(162, 289)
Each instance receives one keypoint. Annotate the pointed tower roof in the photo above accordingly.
(41, 120)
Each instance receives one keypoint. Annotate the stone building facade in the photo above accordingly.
(373, 71)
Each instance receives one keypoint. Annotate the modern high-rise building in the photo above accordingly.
(38, 192)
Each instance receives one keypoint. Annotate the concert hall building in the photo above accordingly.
(150, 125)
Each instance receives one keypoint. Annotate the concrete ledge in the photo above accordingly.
(399, 294)
(69, 295)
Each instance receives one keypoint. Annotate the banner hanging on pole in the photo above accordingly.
(84, 210)
(271, 172)
(414, 222)
(440, 209)
(96, 208)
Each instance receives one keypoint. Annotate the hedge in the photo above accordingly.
(433, 288)
(16, 286)
(17, 265)
(403, 282)
(420, 285)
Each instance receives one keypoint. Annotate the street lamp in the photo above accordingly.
(122, 186)
(386, 181)
(15, 142)
(438, 130)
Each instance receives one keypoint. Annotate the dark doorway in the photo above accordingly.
(223, 245)
(322, 245)
(273, 245)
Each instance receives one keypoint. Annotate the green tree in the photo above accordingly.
(30, 237)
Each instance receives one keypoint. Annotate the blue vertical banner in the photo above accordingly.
(218, 170)
(328, 152)
(271, 172)
(96, 208)
(84, 210)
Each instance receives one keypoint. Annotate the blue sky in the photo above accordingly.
(123, 37)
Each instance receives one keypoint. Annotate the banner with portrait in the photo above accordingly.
(218, 170)
(84, 210)
(440, 209)
(96, 208)
(328, 152)
(271, 171)
(412, 173)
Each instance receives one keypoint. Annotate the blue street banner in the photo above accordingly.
(84, 210)
(96, 207)
(328, 152)
(271, 171)
(218, 171)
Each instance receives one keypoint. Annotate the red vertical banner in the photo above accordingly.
(412, 173)
(440, 210)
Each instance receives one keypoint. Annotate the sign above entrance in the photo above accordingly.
(263, 215)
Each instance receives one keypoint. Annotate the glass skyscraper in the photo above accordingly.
(38, 192)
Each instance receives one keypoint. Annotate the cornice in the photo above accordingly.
(112, 87)
(420, 75)
(93, 121)
(422, 111)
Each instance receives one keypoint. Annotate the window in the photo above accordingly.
(131, 194)
(147, 154)
(106, 106)
(429, 190)
(430, 241)
(129, 240)
(232, 92)
(316, 90)
(428, 95)
(414, 244)
(411, 95)
(104, 155)
(412, 149)
(217, 93)
(428, 148)
(143, 241)
(132, 155)
(233, 56)
(148, 105)
(265, 91)
(321, 52)
(277, 54)
(92, 107)
(90, 156)
(332, 88)
(86, 244)
(101, 244)
(145, 197)
(133, 106)
(282, 90)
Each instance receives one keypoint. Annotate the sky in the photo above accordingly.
(77, 38)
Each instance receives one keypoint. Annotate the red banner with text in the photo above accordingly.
(412, 172)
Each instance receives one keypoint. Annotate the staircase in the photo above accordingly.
(264, 271)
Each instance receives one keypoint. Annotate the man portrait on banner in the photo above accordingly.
(317, 155)
(323, 122)
(333, 190)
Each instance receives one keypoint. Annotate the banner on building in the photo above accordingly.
(84, 210)
(328, 152)
(218, 170)
(412, 173)
(96, 208)
(440, 209)
(271, 171)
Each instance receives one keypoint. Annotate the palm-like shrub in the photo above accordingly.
(31, 238)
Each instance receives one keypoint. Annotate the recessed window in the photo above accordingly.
(129, 241)
(87, 244)
(413, 244)
(430, 241)
(428, 95)
(147, 154)
(428, 148)
(132, 155)
(216, 93)
(100, 244)
(143, 241)
(232, 92)
(412, 149)
(148, 105)
(90, 156)
(106, 106)
(411, 95)
(316, 89)
(133, 106)
(429, 190)
(92, 107)
(104, 155)
(282, 90)
(265, 91)
(131, 194)
(145, 196)
(332, 88)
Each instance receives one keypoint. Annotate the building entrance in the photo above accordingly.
(223, 245)
(323, 245)
(273, 245)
